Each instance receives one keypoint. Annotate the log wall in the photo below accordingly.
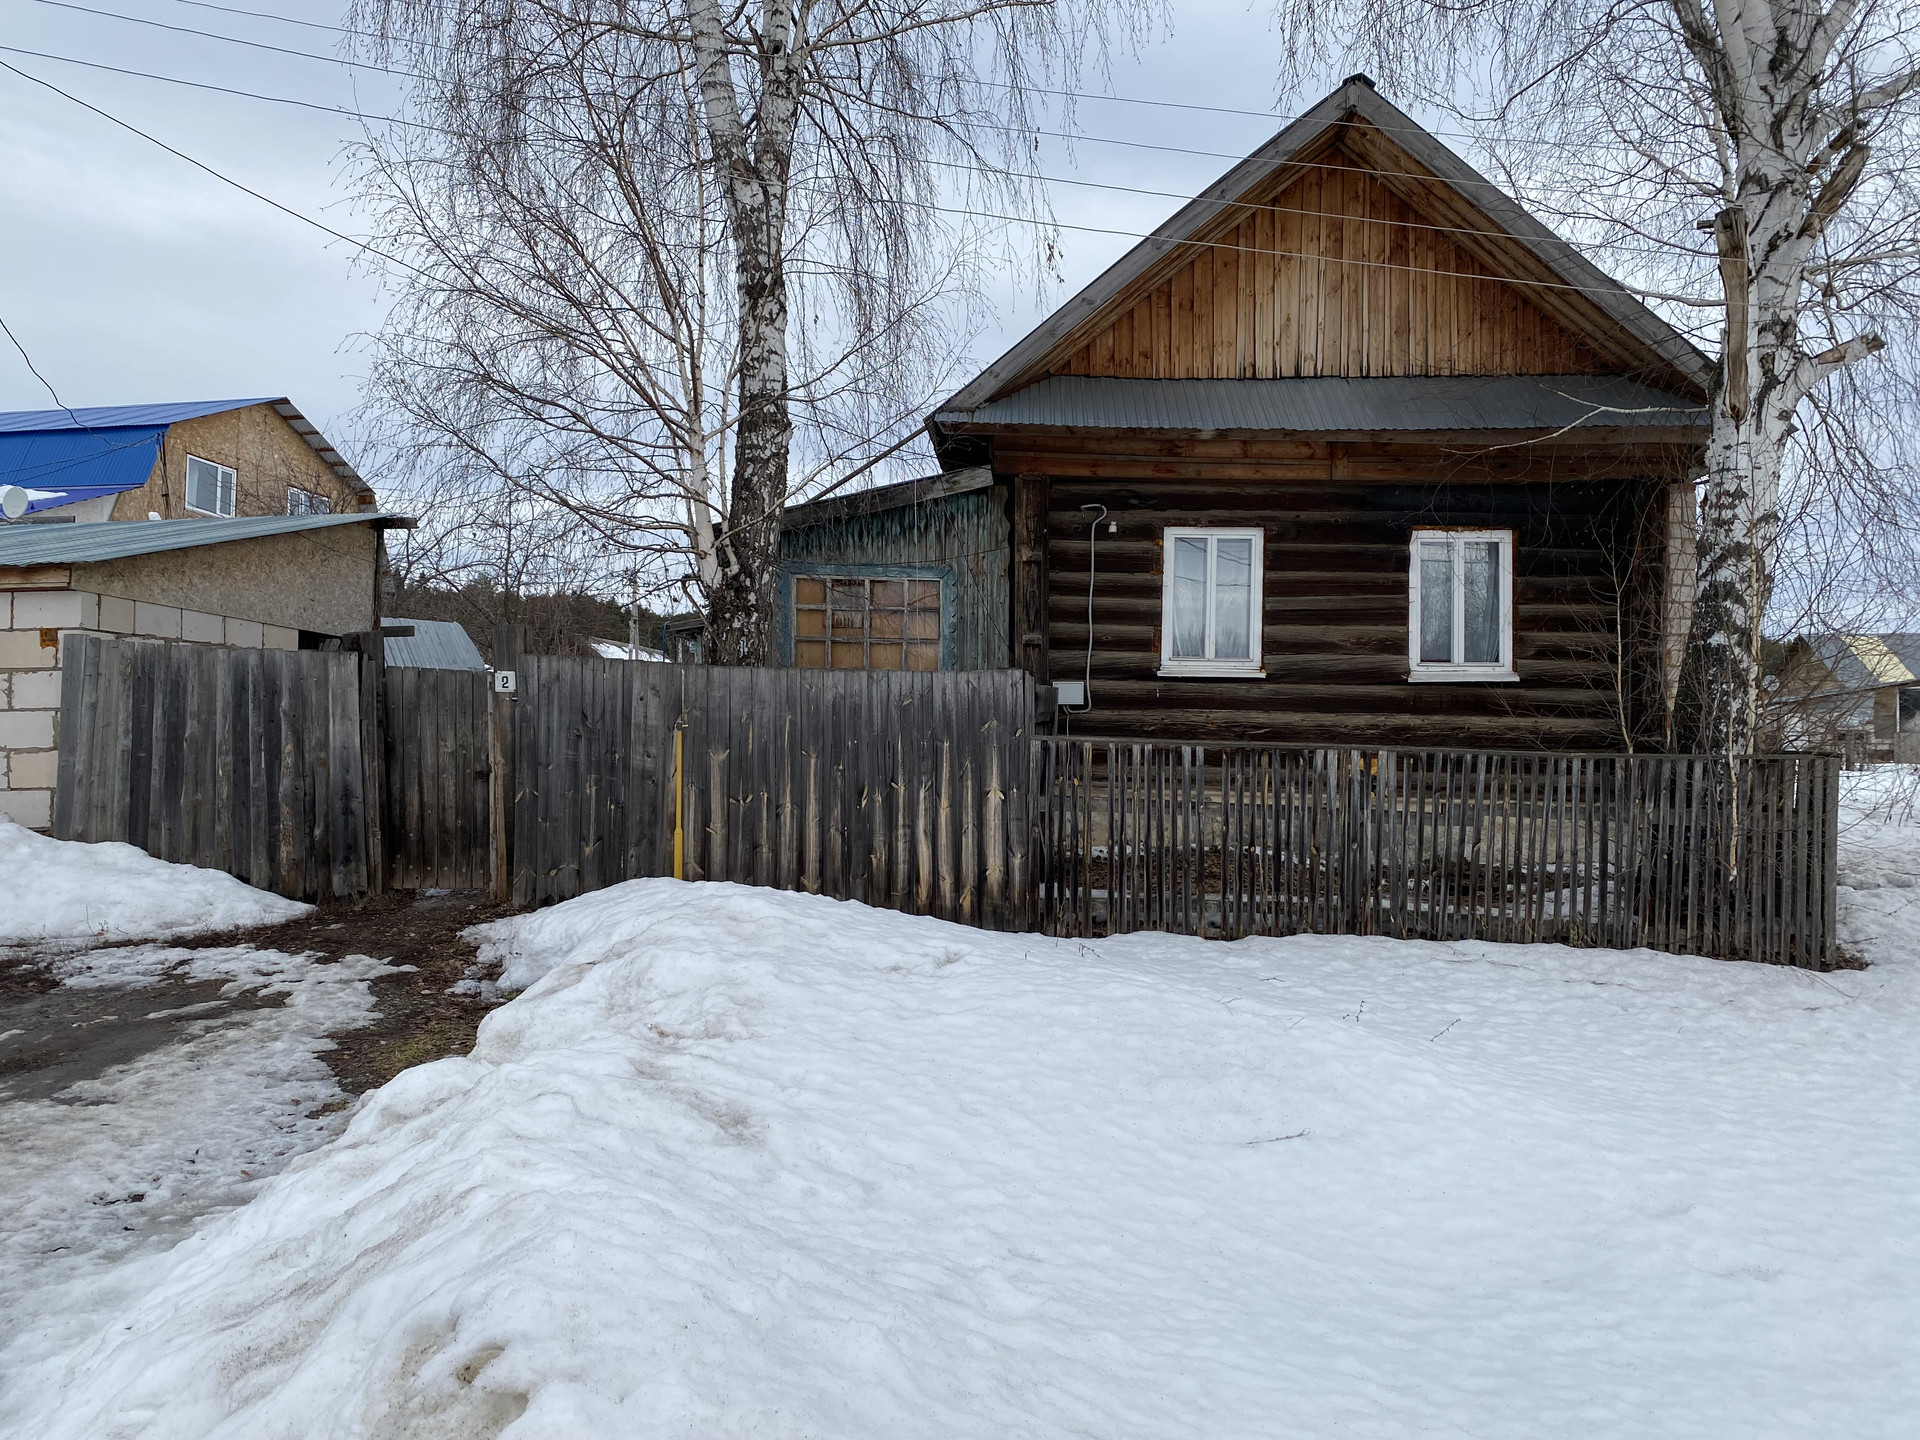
(1337, 520)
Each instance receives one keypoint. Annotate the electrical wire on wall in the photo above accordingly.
(1086, 685)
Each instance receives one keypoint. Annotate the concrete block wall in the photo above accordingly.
(31, 624)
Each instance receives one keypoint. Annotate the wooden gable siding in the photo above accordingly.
(1335, 274)
(1335, 627)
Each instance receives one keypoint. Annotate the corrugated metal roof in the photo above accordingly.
(434, 645)
(106, 417)
(59, 467)
(117, 539)
(1333, 403)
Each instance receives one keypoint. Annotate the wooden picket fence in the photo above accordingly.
(1681, 853)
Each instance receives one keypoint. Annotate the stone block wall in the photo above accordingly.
(31, 624)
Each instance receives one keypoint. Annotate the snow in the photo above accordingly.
(740, 1162)
(60, 893)
(123, 1165)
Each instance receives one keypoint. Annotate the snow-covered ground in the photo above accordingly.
(123, 1164)
(55, 893)
(748, 1163)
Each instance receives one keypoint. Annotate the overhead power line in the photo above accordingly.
(229, 39)
(1248, 205)
(223, 179)
(1269, 116)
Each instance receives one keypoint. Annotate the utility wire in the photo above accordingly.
(223, 179)
(1615, 289)
(1267, 115)
(1249, 205)
(1068, 135)
(229, 39)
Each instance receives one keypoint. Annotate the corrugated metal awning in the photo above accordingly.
(1335, 404)
(434, 645)
(117, 539)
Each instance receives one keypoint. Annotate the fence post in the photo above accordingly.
(508, 644)
(373, 755)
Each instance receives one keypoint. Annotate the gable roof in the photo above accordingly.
(1579, 296)
(114, 430)
(119, 539)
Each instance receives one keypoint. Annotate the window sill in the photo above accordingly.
(1461, 676)
(1210, 670)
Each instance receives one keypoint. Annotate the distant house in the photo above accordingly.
(266, 538)
(623, 650)
(434, 645)
(1857, 694)
(1352, 449)
(206, 458)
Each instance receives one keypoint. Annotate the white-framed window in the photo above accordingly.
(1460, 605)
(1210, 602)
(306, 502)
(210, 487)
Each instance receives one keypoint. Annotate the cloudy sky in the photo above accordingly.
(131, 276)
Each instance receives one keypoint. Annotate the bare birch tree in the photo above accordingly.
(1751, 165)
(677, 262)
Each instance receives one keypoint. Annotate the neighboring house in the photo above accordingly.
(623, 650)
(1352, 449)
(274, 581)
(1857, 694)
(434, 645)
(198, 459)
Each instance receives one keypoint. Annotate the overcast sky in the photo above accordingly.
(130, 276)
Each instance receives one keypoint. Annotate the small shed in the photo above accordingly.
(434, 645)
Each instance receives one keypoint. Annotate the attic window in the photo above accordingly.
(1210, 607)
(864, 623)
(1460, 605)
(306, 502)
(210, 487)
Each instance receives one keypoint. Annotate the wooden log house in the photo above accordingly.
(1351, 450)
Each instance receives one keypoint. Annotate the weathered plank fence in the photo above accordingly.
(248, 761)
(907, 790)
(1680, 853)
(321, 775)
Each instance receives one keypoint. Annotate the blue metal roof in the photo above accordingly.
(117, 539)
(108, 417)
(59, 467)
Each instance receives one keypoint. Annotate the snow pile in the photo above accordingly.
(61, 893)
(125, 1163)
(742, 1162)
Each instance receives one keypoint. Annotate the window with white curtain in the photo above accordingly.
(1210, 603)
(210, 487)
(1460, 620)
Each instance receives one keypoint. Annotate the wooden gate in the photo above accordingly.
(436, 809)
(248, 761)
(1690, 854)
